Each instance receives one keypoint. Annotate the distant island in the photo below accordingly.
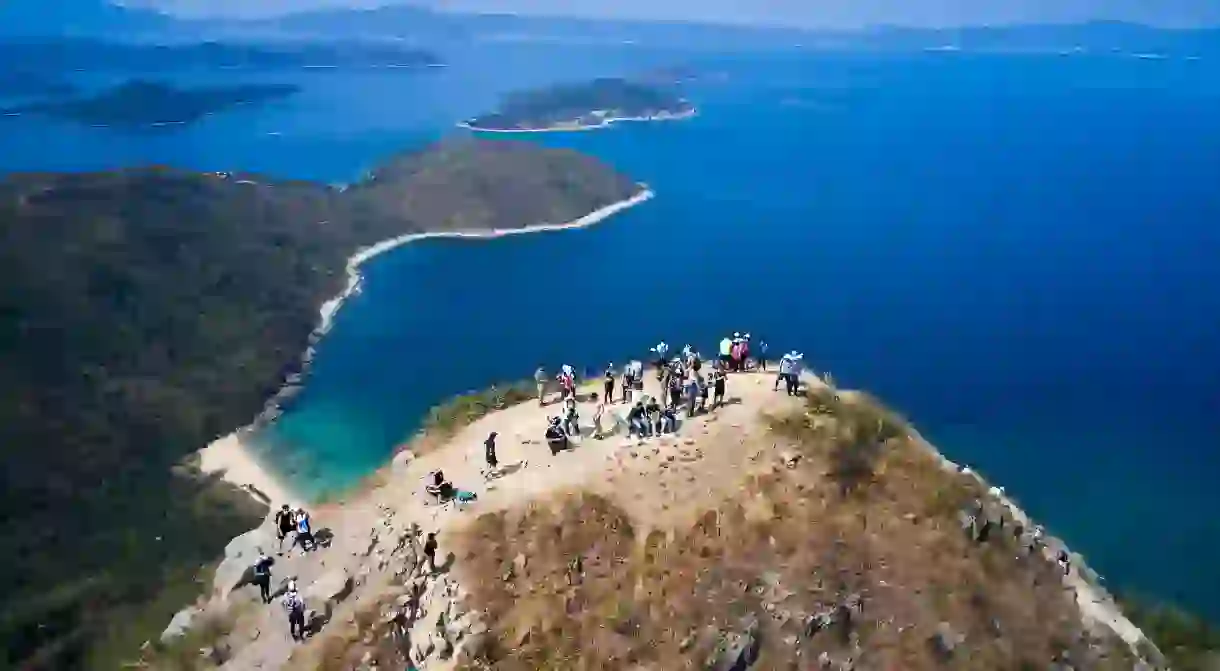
(596, 104)
(140, 103)
(80, 54)
(21, 84)
(148, 311)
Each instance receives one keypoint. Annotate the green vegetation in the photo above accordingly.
(1189, 642)
(140, 103)
(451, 416)
(145, 312)
(582, 105)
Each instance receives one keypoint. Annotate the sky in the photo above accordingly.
(801, 13)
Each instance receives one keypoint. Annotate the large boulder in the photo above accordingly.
(181, 623)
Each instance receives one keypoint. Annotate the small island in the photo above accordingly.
(138, 103)
(572, 107)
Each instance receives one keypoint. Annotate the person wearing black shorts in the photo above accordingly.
(609, 384)
(283, 525)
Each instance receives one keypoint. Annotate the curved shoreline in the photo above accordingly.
(231, 458)
(605, 123)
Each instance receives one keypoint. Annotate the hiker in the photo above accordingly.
(794, 373)
(675, 390)
(745, 352)
(430, 551)
(283, 525)
(608, 385)
(702, 384)
(295, 605)
(489, 452)
(661, 351)
(556, 439)
(785, 364)
(762, 355)
(628, 384)
(692, 392)
(262, 575)
(598, 429)
(571, 420)
(441, 488)
(694, 362)
(718, 379)
(540, 380)
(726, 351)
(567, 381)
(636, 422)
(669, 420)
(652, 412)
(304, 531)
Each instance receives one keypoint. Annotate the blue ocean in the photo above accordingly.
(1020, 252)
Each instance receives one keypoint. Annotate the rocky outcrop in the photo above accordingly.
(235, 569)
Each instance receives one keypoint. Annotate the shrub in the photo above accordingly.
(451, 416)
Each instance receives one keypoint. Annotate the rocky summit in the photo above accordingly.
(776, 531)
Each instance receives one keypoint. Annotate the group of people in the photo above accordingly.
(685, 387)
(295, 521)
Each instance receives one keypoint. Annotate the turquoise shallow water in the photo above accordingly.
(1018, 252)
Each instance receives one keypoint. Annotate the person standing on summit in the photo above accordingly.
(284, 524)
(540, 381)
(726, 352)
(608, 385)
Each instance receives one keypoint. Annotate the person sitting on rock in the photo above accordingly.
(556, 438)
(637, 422)
(441, 488)
(295, 605)
(571, 420)
(669, 420)
(304, 531)
(653, 413)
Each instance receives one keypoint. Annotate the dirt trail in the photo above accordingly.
(659, 480)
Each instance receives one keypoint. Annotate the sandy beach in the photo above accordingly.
(232, 459)
(605, 123)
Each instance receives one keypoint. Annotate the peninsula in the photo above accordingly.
(139, 104)
(574, 107)
(774, 531)
(149, 311)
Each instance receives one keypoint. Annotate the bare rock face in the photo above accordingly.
(331, 588)
(235, 569)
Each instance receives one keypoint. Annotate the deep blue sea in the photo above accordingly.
(1022, 253)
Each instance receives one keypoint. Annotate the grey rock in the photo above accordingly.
(738, 651)
(944, 642)
(235, 569)
(181, 623)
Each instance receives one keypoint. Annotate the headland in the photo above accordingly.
(767, 529)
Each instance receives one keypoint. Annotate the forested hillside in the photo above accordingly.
(143, 313)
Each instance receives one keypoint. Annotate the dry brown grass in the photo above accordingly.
(792, 542)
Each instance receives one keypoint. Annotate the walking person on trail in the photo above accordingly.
(762, 355)
(284, 524)
(489, 452)
(718, 378)
(262, 575)
(628, 384)
(567, 381)
(430, 551)
(608, 385)
(540, 381)
(726, 352)
(295, 605)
